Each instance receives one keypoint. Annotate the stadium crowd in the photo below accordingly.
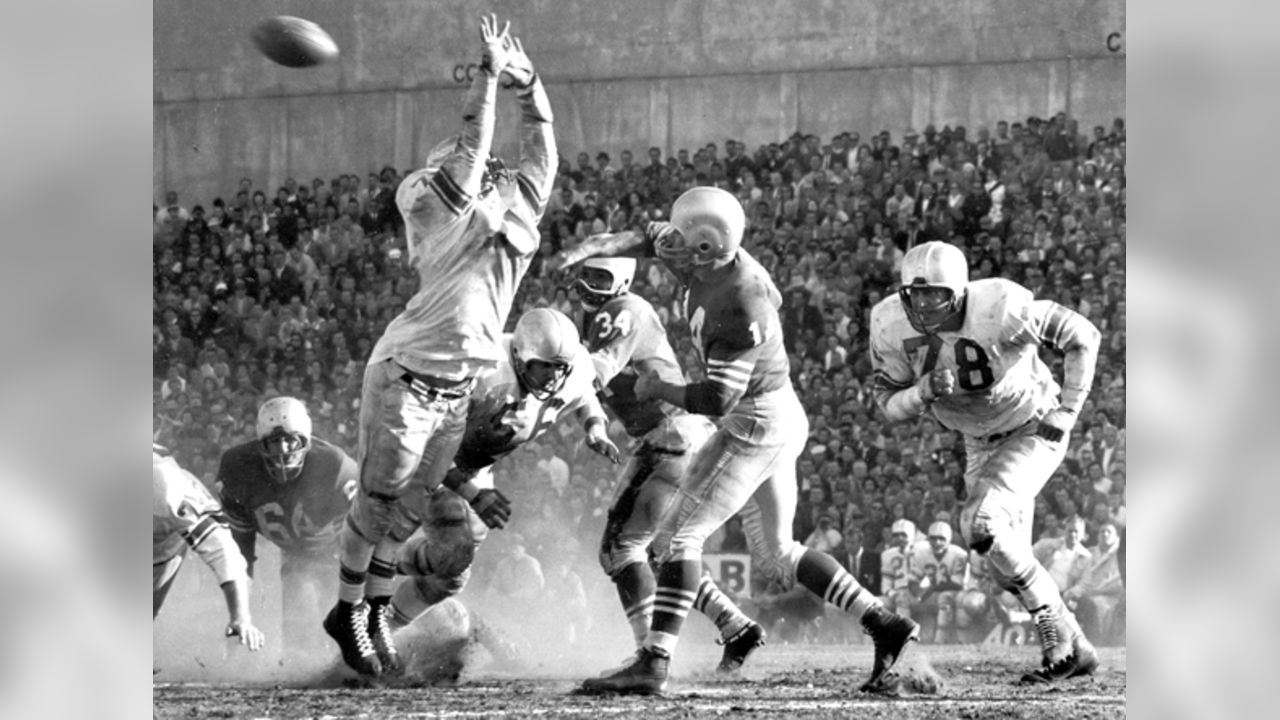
(269, 292)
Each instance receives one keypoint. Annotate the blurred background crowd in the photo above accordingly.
(269, 291)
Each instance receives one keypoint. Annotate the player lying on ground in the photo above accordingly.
(968, 353)
(626, 339)
(472, 230)
(749, 464)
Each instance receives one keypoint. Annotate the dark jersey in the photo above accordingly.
(302, 515)
(737, 333)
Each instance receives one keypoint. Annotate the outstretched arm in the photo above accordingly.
(466, 164)
(538, 157)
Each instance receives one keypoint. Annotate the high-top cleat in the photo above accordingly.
(1063, 658)
(890, 634)
(739, 647)
(380, 633)
(646, 674)
(348, 625)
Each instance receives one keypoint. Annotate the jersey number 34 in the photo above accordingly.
(971, 360)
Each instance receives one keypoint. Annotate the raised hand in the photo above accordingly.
(497, 44)
(519, 72)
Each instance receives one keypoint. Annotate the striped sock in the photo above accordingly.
(677, 587)
(350, 585)
(636, 586)
(356, 551)
(821, 573)
(382, 576)
(717, 606)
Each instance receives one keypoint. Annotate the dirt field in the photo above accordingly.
(786, 681)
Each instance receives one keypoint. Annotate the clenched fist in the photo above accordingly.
(493, 508)
(937, 383)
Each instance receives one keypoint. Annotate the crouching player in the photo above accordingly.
(185, 515)
(937, 572)
(294, 490)
(546, 373)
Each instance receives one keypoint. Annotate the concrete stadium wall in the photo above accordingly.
(620, 75)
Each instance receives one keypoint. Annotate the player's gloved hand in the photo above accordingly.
(249, 635)
(519, 72)
(936, 384)
(599, 442)
(1057, 424)
(493, 508)
(668, 243)
(497, 45)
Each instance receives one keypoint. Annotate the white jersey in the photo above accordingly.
(470, 254)
(183, 511)
(895, 569)
(950, 568)
(1001, 383)
(185, 514)
(503, 416)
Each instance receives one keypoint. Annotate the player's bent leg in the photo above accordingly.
(944, 615)
(1006, 479)
(720, 480)
(636, 510)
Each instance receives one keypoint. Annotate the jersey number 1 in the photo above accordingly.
(970, 359)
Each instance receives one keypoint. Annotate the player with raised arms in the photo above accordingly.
(969, 353)
(472, 230)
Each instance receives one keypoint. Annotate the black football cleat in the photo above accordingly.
(348, 625)
(646, 674)
(380, 633)
(890, 634)
(1080, 660)
(739, 647)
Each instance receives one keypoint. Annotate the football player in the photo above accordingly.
(626, 339)
(895, 567)
(184, 514)
(968, 353)
(937, 571)
(749, 464)
(472, 230)
(546, 374)
(294, 490)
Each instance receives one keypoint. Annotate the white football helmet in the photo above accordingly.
(710, 222)
(905, 527)
(602, 279)
(929, 266)
(940, 531)
(543, 348)
(284, 436)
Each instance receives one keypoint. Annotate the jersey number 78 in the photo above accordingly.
(971, 360)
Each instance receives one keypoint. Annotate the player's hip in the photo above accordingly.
(775, 418)
(678, 434)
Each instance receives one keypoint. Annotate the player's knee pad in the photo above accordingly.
(373, 514)
(434, 588)
(621, 552)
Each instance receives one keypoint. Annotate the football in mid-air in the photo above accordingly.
(294, 42)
